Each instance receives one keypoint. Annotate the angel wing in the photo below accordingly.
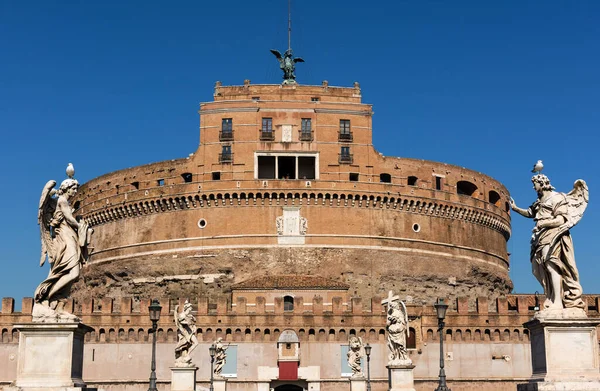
(298, 59)
(276, 53)
(578, 201)
(405, 318)
(46, 210)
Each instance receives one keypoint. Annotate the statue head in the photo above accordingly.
(68, 187)
(542, 182)
(187, 306)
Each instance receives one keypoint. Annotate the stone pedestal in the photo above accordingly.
(183, 378)
(358, 384)
(220, 384)
(401, 377)
(564, 355)
(50, 356)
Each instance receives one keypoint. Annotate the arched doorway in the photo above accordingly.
(288, 387)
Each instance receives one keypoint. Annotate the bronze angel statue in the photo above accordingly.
(64, 244)
(186, 335)
(552, 256)
(287, 63)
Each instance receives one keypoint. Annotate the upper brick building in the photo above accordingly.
(286, 180)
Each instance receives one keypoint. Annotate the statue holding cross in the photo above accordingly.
(397, 330)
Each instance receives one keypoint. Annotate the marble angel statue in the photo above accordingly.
(355, 353)
(64, 244)
(186, 335)
(397, 328)
(220, 356)
(552, 256)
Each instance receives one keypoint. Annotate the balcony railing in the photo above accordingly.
(266, 136)
(226, 158)
(306, 135)
(347, 137)
(345, 158)
(226, 135)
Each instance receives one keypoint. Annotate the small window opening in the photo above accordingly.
(286, 167)
(288, 303)
(354, 177)
(136, 185)
(466, 188)
(411, 341)
(216, 176)
(306, 167)
(256, 98)
(412, 181)
(438, 183)
(494, 198)
(160, 182)
(315, 99)
(288, 345)
(187, 177)
(385, 178)
(266, 167)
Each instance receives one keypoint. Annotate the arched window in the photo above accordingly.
(288, 303)
(466, 188)
(494, 198)
(385, 178)
(411, 341)
(412, 181)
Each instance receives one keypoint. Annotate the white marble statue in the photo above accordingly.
(65, 244)
(552, 256)
(397, 330)
(186, 335)
(355, 353)
(220, 356)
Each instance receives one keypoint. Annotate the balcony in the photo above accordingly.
(345, 158)
(306, 135)
(267, 136)
(226, 135)
(225, 158)
(345, 137)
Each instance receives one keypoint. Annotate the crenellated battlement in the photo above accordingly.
(126, 319)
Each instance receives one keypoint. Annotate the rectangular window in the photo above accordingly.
(345, 151)
(161, 182)
(266, 167)
(306, 167)
(306, 125)
(226, 125)
(226, 150)
(314, 99)
(216, 176)
(438, 183)
(230, 367)
(286, 166)
(346, 370)
(353, 177)
(267, 125)
(344, 126)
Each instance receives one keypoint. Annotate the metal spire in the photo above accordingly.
(289, 24)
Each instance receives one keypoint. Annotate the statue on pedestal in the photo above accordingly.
(186, 335)
(287, 63)
(552, 256)
(65, 244)
(397, 330)
(220, 356)
(355, 353)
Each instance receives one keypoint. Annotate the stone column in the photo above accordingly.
(401, 377)
(183, 378)
(220, 384)
(564, 355)
(358, 383)
(50, 356)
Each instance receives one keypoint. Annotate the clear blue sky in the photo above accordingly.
(492, 86)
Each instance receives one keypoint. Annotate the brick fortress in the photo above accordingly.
(287, 221)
